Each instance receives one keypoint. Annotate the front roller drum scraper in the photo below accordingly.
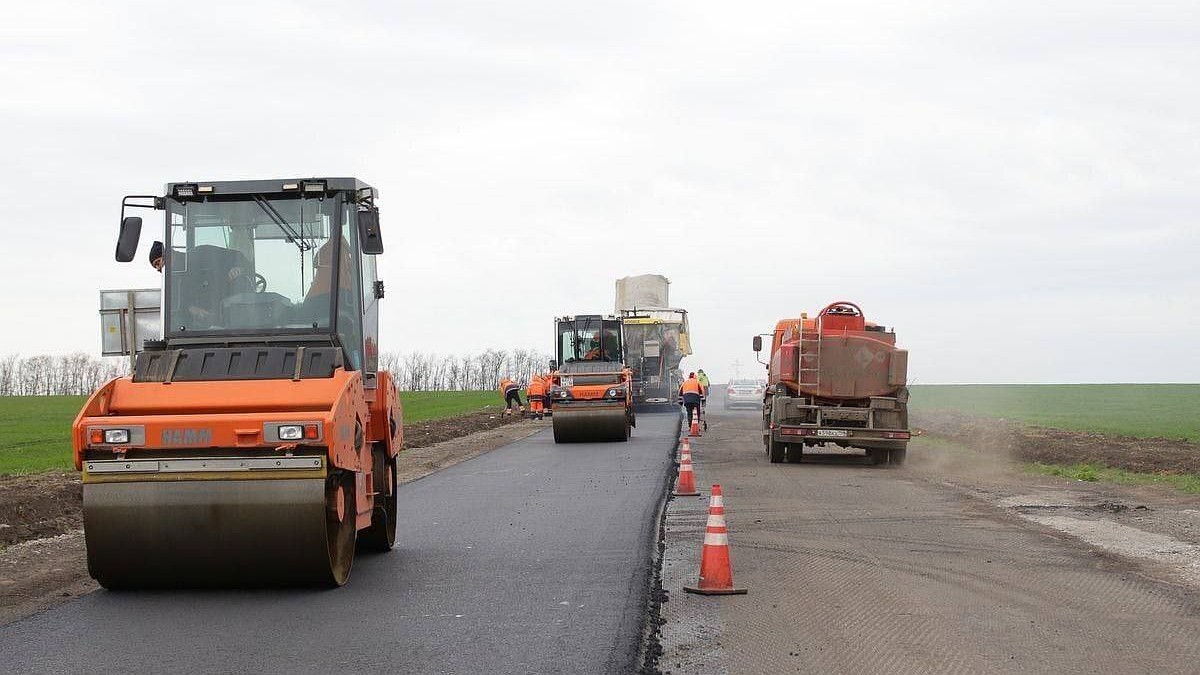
(590, 425)
(281, 532)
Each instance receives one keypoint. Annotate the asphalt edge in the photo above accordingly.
(651, 644)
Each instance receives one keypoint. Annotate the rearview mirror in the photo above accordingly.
(758, 343)
(127, 240)
(369, 236)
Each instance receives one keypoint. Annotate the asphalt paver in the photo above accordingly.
(533, 558)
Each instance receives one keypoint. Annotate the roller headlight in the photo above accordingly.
(116, 436)
(614, 392)
(291, 432)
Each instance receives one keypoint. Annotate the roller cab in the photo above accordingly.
(591, 397)
(255, 444)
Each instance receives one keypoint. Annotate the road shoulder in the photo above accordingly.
(949, 564)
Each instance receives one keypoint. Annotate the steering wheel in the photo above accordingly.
(260, 283)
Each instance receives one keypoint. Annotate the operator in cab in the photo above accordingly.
(593, 352)
(206, 290)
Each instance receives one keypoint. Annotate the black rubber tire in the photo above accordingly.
(381, 535)
(340, 535)
(776, 451)
(879, 456)
(795, 453)
(898, 456)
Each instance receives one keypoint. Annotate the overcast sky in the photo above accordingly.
(1013, 186)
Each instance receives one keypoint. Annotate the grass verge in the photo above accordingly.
(35, 431)
(1184, 482)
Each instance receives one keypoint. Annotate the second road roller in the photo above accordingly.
(255, 443)
(591, 396)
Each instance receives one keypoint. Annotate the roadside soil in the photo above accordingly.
(42, 555)
(1057, 446)
(1156, 525)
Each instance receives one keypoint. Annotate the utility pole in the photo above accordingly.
(737, 368)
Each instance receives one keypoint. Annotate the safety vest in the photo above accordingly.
(507, 385)
(537, 386)
(692, 386)
(703, 379)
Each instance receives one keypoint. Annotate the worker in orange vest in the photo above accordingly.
(692, 392)
(536, 393)
(512, 395)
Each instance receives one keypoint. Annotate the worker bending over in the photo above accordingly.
(512, 396)
(693, 393)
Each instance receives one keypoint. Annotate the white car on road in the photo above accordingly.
(744, 394)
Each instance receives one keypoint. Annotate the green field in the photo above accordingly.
(1138, 410)
(35, 431)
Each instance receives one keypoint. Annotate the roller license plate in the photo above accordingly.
(832, 433)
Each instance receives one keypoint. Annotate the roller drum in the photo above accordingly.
(590, 425)
(165, 533)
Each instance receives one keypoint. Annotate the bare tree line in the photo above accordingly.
(79, 374)
(423, 371)
(59, 375)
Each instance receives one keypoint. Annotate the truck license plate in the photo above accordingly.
(832, 433)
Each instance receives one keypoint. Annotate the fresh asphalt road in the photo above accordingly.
(533, 558)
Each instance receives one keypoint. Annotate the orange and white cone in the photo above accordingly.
(685, 486)
(685, 448)
(716, 574)
(695, 427)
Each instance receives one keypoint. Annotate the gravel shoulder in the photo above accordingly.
(957, 562)
(43, 560)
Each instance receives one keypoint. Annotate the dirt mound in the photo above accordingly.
(40, 505)
(421, 434)
(1058, 446)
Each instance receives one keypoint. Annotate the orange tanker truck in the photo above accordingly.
(836, 378)
(255, 444)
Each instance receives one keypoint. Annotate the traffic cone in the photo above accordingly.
(685, 448)
(695, 428)
(716, 574)
(685, 486)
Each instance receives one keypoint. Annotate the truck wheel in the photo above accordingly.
(898, 456)
(776, 450)
(879, 456)
(795, 452)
